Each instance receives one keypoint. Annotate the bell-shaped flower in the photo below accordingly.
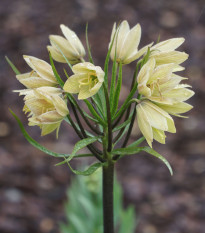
(86, 81)
(41, 74)
(165, 52)
(153, 121)
(70, 46)
(126, 42)
(46, 108)
(161, 85)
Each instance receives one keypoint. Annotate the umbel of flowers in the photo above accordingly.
(157, 93)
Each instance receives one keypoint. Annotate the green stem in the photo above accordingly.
(84, 117)
(130, 129)
(109, 120)
(108, 216)
(92, 149)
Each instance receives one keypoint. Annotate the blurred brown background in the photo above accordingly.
(32, 189)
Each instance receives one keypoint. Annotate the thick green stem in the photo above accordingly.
(108, 216)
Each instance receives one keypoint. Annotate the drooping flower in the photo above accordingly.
(86, 81)
(161, 85)
(126, 43)
(70, 46)
(153, 121)
(41, 74)
(165, 52)
(45, 107)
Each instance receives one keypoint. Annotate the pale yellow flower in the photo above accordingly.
(46, 108)
(70, 46)
(41, 74)
(126, 43)
(86, 81)
(161, 85)
(153, 121)
(165, 52)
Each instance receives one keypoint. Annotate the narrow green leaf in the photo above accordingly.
(63, 55)
(137, 143)
(97, 100)
(78, 146)
(33, 142)
(88, 171)
(113, 81)
(125, 104)
(127, 151)
(94, 113)
(76, 156)
(77, 126)
(88, 45)
(66, 74)
(156, 154)
(125, 130)
(117, 91)
(57, 76)
(117, 128)
(13, 67)
(134, 150)
(107, 61)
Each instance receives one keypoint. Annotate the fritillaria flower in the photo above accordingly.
(70, 46)
(126, 43)
(41, 74)
(153, 121)
(161, 85)
(86, 81)
(46, 108)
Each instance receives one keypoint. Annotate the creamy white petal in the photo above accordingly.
(169, 45)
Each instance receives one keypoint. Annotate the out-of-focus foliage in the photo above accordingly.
(84, 207)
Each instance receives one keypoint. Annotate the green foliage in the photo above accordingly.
(130, 150)
(13, 67)
(57, 76)
(84, 207)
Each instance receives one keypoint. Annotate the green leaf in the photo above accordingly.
(107, 61)
(134, 150)
(113, 81)
(33, 142)
(156, 154)
(97, 101)
(125, 130)
(57, 76)
(13, 67)
(117, 91)
(88, 171)
(78, 146)
(88, 45)
(136, 143)
(127, 150)
(123, 124)
(125, 104)
(63, 55)
(94, 113)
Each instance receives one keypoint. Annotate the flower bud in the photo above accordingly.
(71, 47)
(126, 43)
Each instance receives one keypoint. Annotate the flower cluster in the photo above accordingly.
(160, 92)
